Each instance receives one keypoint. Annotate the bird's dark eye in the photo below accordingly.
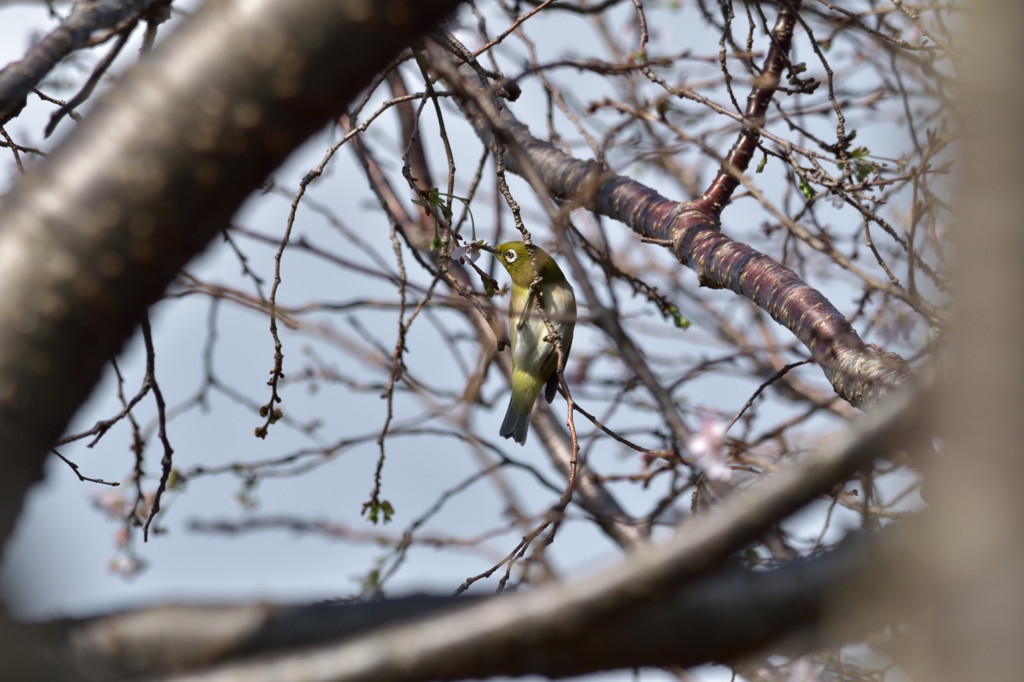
(510, 256)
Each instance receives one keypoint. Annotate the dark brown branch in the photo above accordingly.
(93, 236)
(717, 618)
(725, 183)
(858, 373)
(94, 78)
(18, 78)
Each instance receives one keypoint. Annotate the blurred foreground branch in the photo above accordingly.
(683, 602)
(93, 236)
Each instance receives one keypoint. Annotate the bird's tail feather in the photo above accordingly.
(516, 425)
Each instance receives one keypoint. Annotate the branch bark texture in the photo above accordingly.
(682, 603)
(716, 618)
(860, 374)
(86, 18)
(93, 237)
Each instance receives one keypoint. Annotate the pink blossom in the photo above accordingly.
(470, 250)
(110, 503)
(707, 449)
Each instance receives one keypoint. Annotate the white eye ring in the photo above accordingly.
(510, 256)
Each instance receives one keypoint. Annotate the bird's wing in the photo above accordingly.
(561, 298)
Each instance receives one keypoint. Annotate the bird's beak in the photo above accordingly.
(489, 249)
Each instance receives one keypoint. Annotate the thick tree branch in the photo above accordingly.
(94, 236)
(716, 618)
(678, 603)
(860, 374)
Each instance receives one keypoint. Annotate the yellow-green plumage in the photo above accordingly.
(534, 357)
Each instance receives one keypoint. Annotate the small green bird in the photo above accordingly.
(534, 358)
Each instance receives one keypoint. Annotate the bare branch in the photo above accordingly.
(678, 603)
(18, 78)
(861, 375)
(148, 180)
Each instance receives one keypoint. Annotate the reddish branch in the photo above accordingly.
(858, 373)
(720, 192)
